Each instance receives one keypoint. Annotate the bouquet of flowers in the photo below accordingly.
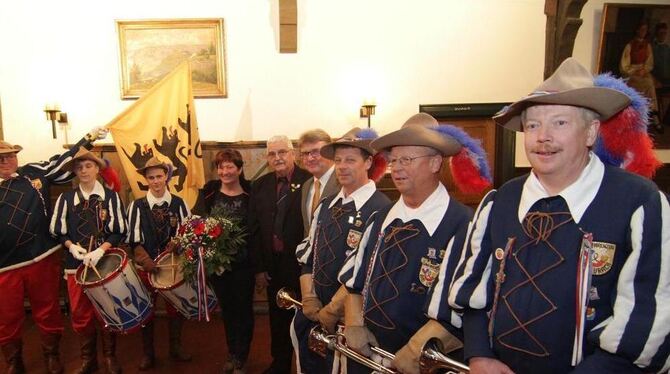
(208, 245)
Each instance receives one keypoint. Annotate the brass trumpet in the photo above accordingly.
(286, 299)
(432, 359)
(319, 341)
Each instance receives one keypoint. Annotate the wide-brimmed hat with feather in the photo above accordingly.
(468, 164)
(359, 138)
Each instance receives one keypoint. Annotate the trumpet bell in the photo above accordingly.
(318, 342)
(432, 360)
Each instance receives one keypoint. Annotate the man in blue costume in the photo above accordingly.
(566, 269)
(334, 233)
(404, 247)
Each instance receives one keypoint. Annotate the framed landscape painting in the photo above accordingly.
(150, 49)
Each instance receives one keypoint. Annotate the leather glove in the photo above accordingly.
(330, 314)
(92, 258)
(310, 307)
(310, 302)
(407, 358)
(77, 251)
(97, 133)
(359, 338)
(143, 259)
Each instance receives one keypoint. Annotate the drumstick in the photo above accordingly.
(173, 269)
(90, 243)
(166, 266)
(96, 271)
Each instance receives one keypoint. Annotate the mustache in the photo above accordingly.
(545, 149)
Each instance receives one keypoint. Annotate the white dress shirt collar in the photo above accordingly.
(430, 213)
(14, 175)
(578, 195)
(360, 196)
(97, 190)
(153, 200)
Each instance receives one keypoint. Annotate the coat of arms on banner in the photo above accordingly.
(603, 257)
(428, 272)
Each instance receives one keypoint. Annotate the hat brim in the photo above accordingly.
(13, 149)
(86, 157)
(163, 166)
(604, 101)
(418, 136)
(328, 150)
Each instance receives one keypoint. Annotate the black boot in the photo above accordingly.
(174, 329)
(13, 357)
(89, 353)
(149, 358)
(109, 352)
(50, 347)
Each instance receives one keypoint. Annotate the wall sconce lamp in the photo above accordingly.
(367, 111)
(55, 115)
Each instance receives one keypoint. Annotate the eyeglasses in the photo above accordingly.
(314, 153)
(404, 160)
(7, 157)
(280, 153)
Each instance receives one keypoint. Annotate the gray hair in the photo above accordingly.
(280, 139)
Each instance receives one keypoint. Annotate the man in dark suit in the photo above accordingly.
(276, 228)
(321, 168)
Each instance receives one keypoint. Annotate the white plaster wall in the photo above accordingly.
(399, 53)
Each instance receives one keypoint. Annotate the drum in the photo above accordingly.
(120, 299)
(170, 283)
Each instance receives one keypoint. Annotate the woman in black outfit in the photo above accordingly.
(233, 288)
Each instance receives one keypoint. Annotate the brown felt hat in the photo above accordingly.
(571, 84)
(85, 154)
(420, 129)
(9, 148)
(154, 162)
(353, 138)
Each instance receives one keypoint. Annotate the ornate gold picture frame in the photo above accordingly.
(150, 49)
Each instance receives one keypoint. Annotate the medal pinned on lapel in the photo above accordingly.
(358, 221)
(500, 253)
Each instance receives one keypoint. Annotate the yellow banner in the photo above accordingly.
(162, 123)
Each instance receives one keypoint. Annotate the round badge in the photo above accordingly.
(500, 253)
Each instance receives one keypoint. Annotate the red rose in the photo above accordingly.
(189, 254)
(215, 232)
(199, 228)
(182, 229)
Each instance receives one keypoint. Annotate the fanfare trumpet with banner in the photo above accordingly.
(432, 360)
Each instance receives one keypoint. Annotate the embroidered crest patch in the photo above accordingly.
(102, 214)
(428, 272)
(353, 238)
(603, 257)
(37, 183)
